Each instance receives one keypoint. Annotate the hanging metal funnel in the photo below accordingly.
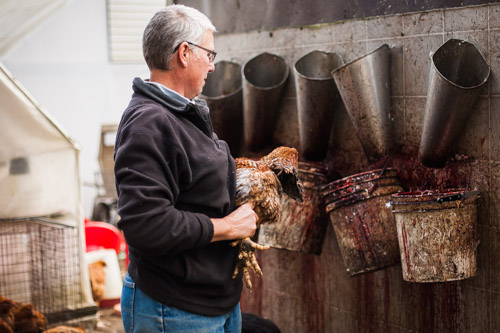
(457, 73)
(364, 85)
(224, 95)
(264, 81)
(316, 97)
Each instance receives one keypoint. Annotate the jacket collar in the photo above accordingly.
(195, 110)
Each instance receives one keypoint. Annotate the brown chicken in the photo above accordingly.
(7, 318)
(4, 327)
(97, 275)
(262, 182)
(28, 320)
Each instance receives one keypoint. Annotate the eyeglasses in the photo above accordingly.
(211, 54)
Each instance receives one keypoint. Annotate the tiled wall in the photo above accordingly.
(308, 293)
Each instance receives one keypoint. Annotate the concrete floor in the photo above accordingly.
(108, 322)
(104, 321)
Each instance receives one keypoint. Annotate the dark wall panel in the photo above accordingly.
(230, 16)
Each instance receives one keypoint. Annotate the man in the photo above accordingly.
(176, 189)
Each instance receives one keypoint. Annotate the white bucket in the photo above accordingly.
(113, 282)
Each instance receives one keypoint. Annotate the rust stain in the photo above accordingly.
(366, 237)
(311, 294)
(406, 252)
(367, 300)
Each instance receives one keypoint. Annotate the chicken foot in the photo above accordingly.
(247, 259)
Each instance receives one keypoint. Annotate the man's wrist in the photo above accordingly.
(221, 229)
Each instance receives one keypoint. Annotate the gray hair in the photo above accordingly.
(168, 28)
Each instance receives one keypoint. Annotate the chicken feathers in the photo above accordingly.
(262, 182)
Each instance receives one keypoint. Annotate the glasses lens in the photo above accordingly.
(211, 54)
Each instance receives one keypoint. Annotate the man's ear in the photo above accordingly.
(183, 54)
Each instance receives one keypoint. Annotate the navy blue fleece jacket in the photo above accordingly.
(172, 175)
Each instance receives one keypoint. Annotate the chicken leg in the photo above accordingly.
(247, 259)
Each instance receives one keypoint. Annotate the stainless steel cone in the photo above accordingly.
(224, 95)
(364, 85)
(317, 96)
(457, 73)
(264, 81)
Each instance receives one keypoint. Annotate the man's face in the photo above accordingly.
(200, 66)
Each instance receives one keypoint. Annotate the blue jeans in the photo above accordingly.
(141, 313)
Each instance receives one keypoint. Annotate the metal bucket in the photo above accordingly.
(302, 226)
(364, 85)
(264, 81)
(224, 95)
(316, 97)
(363, 222)
(457, 73)
(437, 234)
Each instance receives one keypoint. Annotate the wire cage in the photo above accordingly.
(40, 264)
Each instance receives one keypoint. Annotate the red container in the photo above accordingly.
(102, 235)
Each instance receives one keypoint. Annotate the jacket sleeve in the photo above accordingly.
(148, 172)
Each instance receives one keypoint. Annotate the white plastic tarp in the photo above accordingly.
(39, 172)
(39, 167)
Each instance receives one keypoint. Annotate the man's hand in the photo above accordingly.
(241, 223)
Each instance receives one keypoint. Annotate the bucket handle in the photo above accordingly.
(457, 196)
